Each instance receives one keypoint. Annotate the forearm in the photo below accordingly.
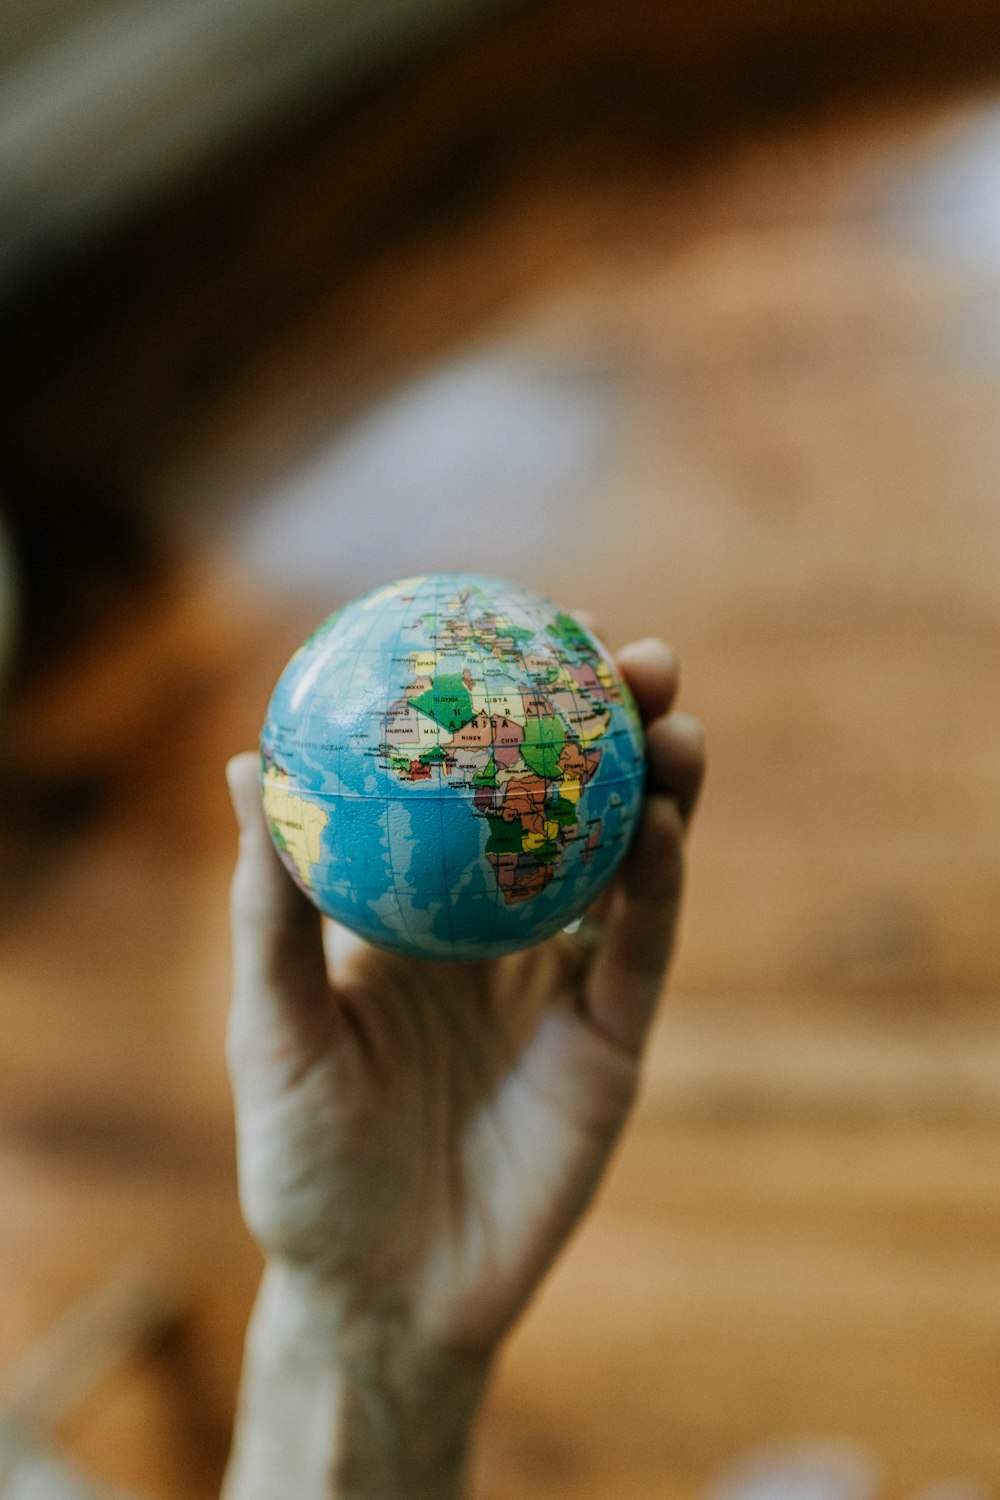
(331, 1414)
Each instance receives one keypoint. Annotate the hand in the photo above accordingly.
(416, 1140)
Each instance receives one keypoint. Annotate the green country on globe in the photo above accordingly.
(452, 767)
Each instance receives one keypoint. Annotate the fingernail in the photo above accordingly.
(689, 727)
(654, 645)
(243, 788)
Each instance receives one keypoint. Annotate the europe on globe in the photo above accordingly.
(452, 767)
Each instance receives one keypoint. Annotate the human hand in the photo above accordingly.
(416, 1140)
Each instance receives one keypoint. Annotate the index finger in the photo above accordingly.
(652, 671)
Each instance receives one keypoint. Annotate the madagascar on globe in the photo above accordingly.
(452, 767)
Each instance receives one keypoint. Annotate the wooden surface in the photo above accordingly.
(750, 402)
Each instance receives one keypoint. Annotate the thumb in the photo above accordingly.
(279, 972)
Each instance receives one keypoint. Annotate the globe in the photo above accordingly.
(452, 767)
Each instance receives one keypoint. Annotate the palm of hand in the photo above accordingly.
(426, 1141)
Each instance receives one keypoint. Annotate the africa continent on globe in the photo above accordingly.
(452, 767)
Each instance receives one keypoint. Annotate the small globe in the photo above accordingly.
(452, 767)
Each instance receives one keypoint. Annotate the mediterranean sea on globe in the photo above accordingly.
(452, 767)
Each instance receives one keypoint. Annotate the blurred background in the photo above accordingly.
(686, 313)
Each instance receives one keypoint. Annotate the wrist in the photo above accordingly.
(345, 1406)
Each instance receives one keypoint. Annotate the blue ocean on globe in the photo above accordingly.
(452, 767)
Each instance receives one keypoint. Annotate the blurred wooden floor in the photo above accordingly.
(769, 387)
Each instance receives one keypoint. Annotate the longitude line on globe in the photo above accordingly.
(443, 843)
(356, 659)
(406, 607)
(479, 644)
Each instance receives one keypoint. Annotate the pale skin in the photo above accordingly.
(417, 1140)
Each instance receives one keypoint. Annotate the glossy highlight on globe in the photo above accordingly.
(452, 767)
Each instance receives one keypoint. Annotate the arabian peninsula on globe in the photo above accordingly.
(452, 767)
